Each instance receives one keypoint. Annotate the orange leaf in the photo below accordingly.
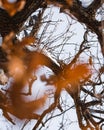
(27, 41)
(70, 2)
(16, 67)
(13, 8)
(77, 73)
(74, 75)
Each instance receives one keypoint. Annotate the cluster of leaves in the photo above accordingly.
(22, 63)
(21, 67)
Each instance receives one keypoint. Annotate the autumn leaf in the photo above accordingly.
(19, 106)
(13, 7)
(7, 43)
(16, 67)
(77, 73)
(21, 66)
(73, 76)
(27, 41)
(36, 104)
(34, 59)
(70, 2)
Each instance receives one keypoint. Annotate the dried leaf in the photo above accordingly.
(16, 67)
(70, 2)
(19, 107)
(13, 8)
(74, 75)
(21, 66)
(34, 59)
(77, 73)
(27, 41)
(36, 104)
